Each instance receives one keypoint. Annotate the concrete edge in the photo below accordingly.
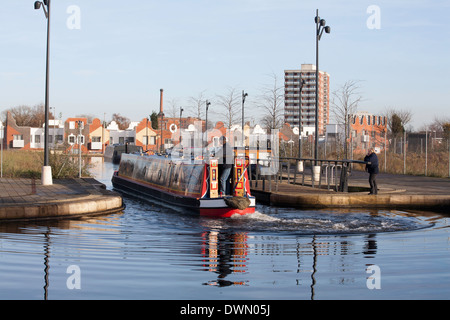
(345, 200)
(70, 209)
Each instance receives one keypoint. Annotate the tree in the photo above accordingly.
(396, 123)
(271, 101)
(344, 103)
(394, 117)
(230, 103)
(396, 126)
(198, 105)
(26, 116)
(122, 122)
(173, 109)
(446, 129)
(154, 120)
(89, 117)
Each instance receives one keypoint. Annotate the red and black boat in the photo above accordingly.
(189, 184)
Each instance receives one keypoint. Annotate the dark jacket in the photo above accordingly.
(373, 166)
(226, 156)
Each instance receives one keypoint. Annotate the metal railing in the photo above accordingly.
(332, 173)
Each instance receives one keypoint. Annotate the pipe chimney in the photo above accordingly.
(161, 102)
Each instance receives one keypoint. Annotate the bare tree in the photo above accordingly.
(173, 111)
(198, 105)
(122, 122)
(88, 116)
(403, 115)
(230, 103)
(396, 123)
(271, 101)
(26, 116)
(344, 103)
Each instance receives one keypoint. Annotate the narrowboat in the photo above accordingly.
(114, 152)
(192, 185)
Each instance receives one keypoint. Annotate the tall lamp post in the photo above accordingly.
(46, 169)
(206, 124)
(181, 114)
(320, 27)
(302, 83)
(244, 95)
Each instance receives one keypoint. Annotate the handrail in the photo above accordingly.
(286, 162)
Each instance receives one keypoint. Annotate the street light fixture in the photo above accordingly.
(206, 125)
(320, 28)
(244, 95)
(181, 113)
(46, 169)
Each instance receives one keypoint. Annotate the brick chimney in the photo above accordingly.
(161, 102)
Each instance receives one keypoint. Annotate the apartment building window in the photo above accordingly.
(96, 139)
(18, 137)
(37, 139)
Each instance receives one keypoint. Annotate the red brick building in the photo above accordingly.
(367, 131)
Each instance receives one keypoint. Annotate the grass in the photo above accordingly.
(436, 164)
(28, 164)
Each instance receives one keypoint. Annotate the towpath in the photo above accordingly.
(28, 199)
(395, 192)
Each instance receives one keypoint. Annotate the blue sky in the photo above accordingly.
(125, 51)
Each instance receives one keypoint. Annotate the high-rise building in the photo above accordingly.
(292, 81)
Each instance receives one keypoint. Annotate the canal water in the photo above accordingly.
(152, 251)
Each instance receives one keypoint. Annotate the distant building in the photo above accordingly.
(367, 131)
(292, 81)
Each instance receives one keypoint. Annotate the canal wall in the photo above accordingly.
(395, 192)
(27, 199)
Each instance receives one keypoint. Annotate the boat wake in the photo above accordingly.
(328, 222)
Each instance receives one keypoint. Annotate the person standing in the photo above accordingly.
(372, 169)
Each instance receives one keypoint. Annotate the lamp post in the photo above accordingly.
(46, 169)
(80, 141)
(302, 83)
(181, 113)
(320, 27)
(206, 125)
(244, 95)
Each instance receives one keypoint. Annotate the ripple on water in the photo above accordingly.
(328, 221)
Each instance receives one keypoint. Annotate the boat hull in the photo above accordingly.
(144, 188)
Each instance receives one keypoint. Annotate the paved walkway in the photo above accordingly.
(27, 199)
(395, 192)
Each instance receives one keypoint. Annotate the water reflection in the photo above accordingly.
(152, 252)
(225, 253)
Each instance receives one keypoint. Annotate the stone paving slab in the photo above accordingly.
(67, 198)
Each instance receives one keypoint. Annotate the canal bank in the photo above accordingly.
(395, 192)
(28, 199)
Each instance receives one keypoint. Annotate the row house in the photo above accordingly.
(28, 138)
(75, 134)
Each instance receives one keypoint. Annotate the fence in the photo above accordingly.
(334, 173)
